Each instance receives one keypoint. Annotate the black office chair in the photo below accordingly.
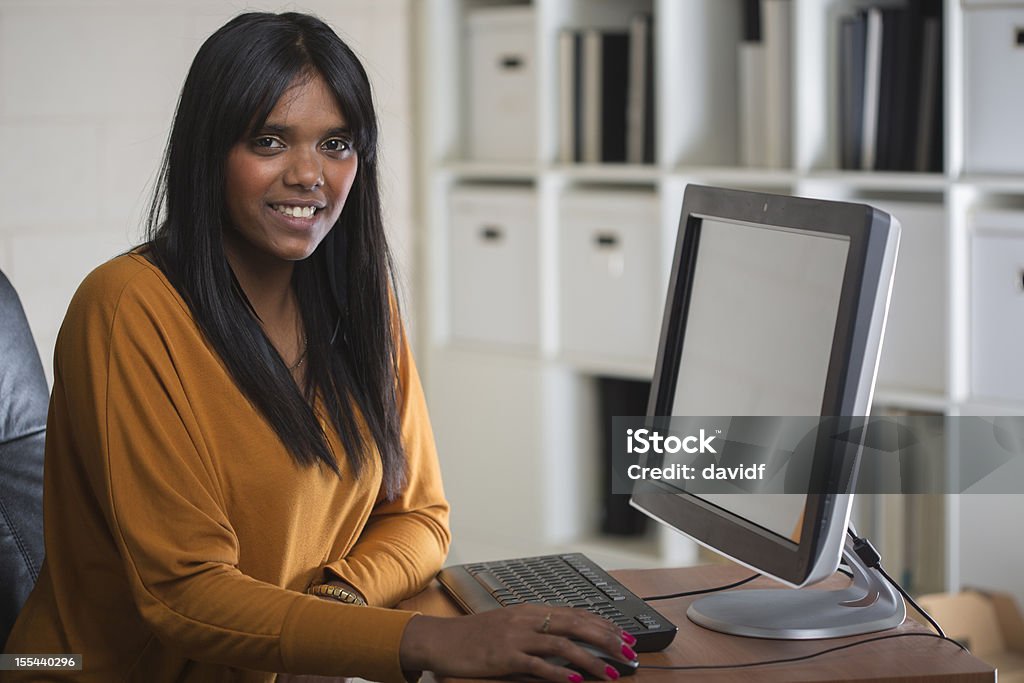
(23, 404)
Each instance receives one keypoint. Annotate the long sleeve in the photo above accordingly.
(123, 372)
(405, 540)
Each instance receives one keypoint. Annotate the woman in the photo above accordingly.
(237, 422)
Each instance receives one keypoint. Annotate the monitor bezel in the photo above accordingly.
(831, 478)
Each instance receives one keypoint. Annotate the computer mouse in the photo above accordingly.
(624, 668)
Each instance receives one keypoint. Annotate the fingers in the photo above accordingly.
(560, 659)
(554, 643)
(572, 641)
(543, 669)
(581, 625)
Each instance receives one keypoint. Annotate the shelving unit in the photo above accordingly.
(511, 420)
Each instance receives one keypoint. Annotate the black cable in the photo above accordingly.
(702, 590)
(920, 610)
(873, 560)
(801, 658)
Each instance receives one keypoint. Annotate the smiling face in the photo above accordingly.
(287, 183)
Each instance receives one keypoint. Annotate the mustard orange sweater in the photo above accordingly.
(180, 534)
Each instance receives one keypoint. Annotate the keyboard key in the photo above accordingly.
(490, 582)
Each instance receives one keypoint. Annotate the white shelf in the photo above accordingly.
(482, 170)
(994, 183)
(625, 174)
(696, 130)
(881, 181)
(738, 176)
(990, 407)
(913, 400)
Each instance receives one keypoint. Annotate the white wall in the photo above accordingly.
(87, 94)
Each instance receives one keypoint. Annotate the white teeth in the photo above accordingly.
(295, 211)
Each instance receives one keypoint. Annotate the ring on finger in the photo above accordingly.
(546, 626)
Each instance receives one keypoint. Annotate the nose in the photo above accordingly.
(304, 170)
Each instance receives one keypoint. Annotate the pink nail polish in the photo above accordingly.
(575, 678)
(628, 652)
(628, 638)
(611, 673)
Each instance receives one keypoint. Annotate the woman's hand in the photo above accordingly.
(513, 640)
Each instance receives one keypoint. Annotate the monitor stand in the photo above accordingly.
(868, 604)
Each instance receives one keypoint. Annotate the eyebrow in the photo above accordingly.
(279, 129)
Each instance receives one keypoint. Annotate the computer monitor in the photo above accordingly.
(776, 307)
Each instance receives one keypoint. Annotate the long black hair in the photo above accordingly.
(345, 289)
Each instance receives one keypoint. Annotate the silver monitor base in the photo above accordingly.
(868, 604)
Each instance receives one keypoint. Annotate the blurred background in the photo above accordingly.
(535, 156)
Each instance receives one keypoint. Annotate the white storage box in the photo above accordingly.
(993, 90)
(612, 293)
(501, 92)
(997, 305)
(914, 348)
(494, 267)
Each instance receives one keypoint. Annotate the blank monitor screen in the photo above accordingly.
(759, 335)
(775, 307)
(762, 314)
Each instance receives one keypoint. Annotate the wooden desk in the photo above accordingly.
(914, 659)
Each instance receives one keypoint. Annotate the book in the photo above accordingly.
(776, 16)
(604, 95)
(852, 35)
(569, 106)
(909, 97)
(639, 113)
(930, 150)
(751, 21)
(753, 132)
(650, 111)
(929, 101)
(614, 95)
(872, 76)
(751, 95)
(936, 154)
(890, 80)
(591, 96)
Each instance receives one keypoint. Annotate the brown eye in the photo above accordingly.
(338, 146)
(267, 142)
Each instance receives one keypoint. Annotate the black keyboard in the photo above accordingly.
(562, 581)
